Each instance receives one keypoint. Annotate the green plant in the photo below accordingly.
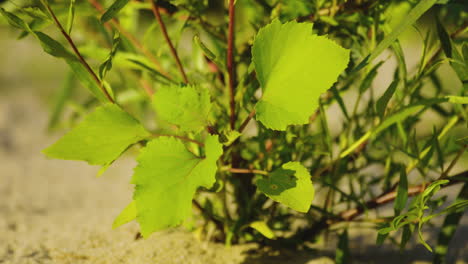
(255, 183)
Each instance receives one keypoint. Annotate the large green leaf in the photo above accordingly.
(185, 106)
(166, 179)
(294, 67)
(291, 185)
(100, 138)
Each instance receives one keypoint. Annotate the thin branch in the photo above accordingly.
(179, 137)
(77, 52)
(211, 217)
(246, 121)
(230, 64)
(247, 171)
(351, 214)
(157, 14)
(115, 23)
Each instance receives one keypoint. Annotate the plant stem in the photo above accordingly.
(77, 52)
(246, 121)
(351, 214)
(230, 64)
(115, 23)
(157, 14)
(247, 171)
(212, 218)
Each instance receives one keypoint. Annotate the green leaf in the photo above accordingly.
(382, 103)
(127, 215)
(448, 229)
(342, 255)
(100, 138)
(409, 20)
(53, 47)
(60, 100)
(291, 185)
(406, 235)
(166, 179)
(367, 82)
(107, 64)
(71, 16)
(187, 107)
(14, 20)
(113, 10)
(457, 99)
(402, 192)
(444, 39)
(294, 67)
(263, 229)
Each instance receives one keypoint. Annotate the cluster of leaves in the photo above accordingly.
(187, 106)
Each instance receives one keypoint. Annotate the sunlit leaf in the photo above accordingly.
(294, 67)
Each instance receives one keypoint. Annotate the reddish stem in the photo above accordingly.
(157, 14)
(230, 64)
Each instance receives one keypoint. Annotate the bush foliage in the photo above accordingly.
(264, 115)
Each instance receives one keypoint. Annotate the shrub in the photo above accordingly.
(257, 110)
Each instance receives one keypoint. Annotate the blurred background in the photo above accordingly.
(54, 211)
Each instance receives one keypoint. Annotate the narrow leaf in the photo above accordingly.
(61, 99)
(106, 66)
(71, 16)
(444, 38)
(342, 255)
(448, 229)
(112, 11)
(14, 20)
(409, 20)
(382, 103)
(263, 229)
(402, 192)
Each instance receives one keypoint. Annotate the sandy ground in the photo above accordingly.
(58, 212)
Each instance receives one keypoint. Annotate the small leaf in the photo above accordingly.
(127, 215)
(294, 67)
(382, 103)
(53, 47)
(208, 53)
(444, 39)
(342, 255)
(107, 65)
(263, 229)
(409, 20)
(291, 185)
(406, 235)
(367, 82)
(71, 16)
(14, 20)
(231, 136)
(60, 100)
(100, 138)
(187, 107)
(448, 229)
(402, 192)
(457, 99)
(166, 179)
(113, 10)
